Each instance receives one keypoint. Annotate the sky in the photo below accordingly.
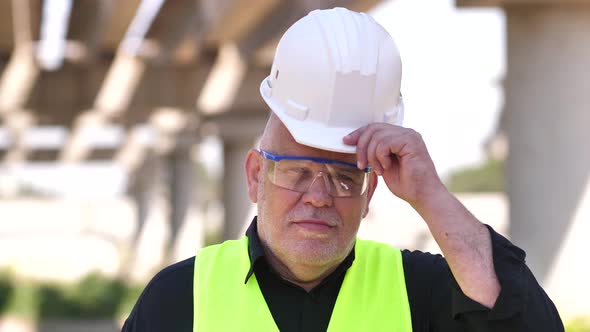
(453, 63)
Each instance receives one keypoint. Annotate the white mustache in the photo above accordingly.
(329, 217)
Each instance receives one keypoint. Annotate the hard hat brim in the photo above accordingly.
(310, 133)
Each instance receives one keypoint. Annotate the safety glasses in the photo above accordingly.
(296, 173)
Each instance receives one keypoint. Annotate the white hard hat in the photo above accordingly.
(334, 71)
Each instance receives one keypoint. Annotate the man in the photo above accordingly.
(334, 129)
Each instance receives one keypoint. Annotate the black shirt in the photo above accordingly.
(436, 301)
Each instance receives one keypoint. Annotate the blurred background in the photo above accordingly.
(124, 126)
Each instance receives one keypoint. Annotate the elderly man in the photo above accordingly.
(334, 129)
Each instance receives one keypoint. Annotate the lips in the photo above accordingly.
(315, 225)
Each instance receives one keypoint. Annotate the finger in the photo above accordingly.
(411, 142)
(372, 159)
(383, 154)
(353, 136)
(402, 142)
(392, 176)
(362, 145)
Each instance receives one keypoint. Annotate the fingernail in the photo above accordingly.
(360, 165)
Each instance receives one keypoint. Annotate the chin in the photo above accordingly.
(315, 252)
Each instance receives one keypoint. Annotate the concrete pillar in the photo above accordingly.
(547, 121)
(237, 205)
(548, 126)
(164, 190)
(185, 212)
(239, 135)
(152, 200)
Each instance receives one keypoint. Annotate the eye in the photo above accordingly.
(296, 172)
(351, 178)
(344, 177)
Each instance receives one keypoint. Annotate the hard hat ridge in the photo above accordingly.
(356, 48)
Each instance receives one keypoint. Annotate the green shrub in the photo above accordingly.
(488, 177)
(23, 300)
(95, 296)
(6, 290)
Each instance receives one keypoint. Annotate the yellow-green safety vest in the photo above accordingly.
(372, 297)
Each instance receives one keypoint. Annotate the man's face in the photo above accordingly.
(311, 228)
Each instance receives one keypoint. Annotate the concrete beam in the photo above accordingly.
(270, 27)
(236, 127)
(156, 30)
(176, 129)
(22, 69)
(363, 5)
(18, 124)
(50, 50)
(77, 148)
(223, 81)
(141, 23)
(177, 21)
(89, 24)
(167, 129)
(134, 151)
(233, 19)
(6, 27)
(122, 14)
(119, 85)
(504, 3)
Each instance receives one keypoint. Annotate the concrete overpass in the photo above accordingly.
(136, 82)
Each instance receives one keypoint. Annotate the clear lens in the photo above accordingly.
(299, 175)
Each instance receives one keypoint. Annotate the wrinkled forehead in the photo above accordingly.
(278, 140)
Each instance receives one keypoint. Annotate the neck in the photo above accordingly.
(302, 275)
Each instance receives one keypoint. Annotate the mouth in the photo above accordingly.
(315, 225)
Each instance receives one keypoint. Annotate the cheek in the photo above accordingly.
(351, 213)
(350, 209)
(274, 204)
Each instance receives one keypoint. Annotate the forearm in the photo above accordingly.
(465, 243)
(400, 156)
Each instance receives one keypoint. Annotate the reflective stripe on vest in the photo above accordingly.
(372, 297)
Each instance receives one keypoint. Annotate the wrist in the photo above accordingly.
(438, 204)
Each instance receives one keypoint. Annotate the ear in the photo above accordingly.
(253, 167)
(373, 180)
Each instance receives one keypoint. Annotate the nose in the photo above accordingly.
(318, 192)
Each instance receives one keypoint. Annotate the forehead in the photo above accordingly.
(280, 141)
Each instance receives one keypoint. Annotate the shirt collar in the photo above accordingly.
(256, 251)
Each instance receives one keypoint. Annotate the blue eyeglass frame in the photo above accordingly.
(274, 157)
